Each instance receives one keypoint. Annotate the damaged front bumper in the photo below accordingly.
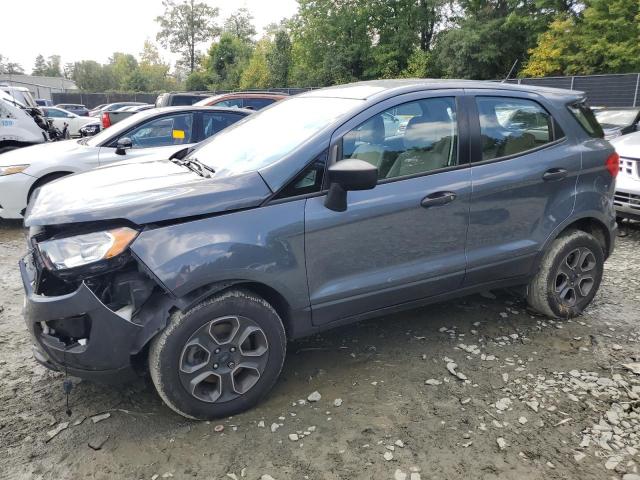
(77, 333)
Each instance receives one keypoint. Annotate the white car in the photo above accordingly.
(627, 196)
(152, 134)
(61, 117)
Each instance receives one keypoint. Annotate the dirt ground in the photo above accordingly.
(541, 399)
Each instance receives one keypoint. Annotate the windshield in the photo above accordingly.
(617, 118)
(110, 132)
(265, 137)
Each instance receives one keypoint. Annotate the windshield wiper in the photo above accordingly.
(195, 166)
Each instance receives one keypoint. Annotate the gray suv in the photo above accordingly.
(326, 208)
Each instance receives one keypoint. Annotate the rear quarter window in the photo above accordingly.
(587, 120)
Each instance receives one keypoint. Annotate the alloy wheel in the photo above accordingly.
(575, 277)
(223, 359)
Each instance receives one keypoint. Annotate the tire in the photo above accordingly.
(569, 276)
(198, 362)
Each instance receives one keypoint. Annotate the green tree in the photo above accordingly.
(184, 26)
(122, 66)
(226, 60)
(240, 25)
(330, 42)
(278, 59)
(91, 76)
(153, 69)
(491, 34)
(53, 66)
(40, 66)
(604, 38)
(198, 81)
(257, 73)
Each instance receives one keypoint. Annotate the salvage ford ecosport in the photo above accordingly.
(326, 208)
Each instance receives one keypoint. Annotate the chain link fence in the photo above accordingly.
(615, 90)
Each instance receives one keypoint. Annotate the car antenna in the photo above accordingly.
(510, 71)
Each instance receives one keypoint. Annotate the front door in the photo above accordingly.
(405, 239)
(159, 137)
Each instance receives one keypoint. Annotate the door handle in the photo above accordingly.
(554, 174)
(438, 198)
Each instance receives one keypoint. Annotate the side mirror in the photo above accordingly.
(123, 144)
(348, 175)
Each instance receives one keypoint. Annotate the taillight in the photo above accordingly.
(106, 121)
(613, 164)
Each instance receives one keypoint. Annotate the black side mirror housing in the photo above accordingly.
(123, 144)
(348, 175)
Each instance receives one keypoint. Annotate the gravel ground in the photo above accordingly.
(476, 388)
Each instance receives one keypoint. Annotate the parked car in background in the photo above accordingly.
(618, 121)
(61, 117)
(43, 102)
(76, 108)
(252, 100)
(157, 132)
(109, 118)
(110, 107)
(311, 214)
(627, 196)
(91, 129)
(95, 110)
(172, 99)
(136, 108)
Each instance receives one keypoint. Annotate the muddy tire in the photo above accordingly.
(569, 276)
(219, 358)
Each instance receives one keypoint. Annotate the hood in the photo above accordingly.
(626, 145)
(40, 152)
(142, 192)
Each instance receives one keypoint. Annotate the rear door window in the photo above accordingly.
(512, 126)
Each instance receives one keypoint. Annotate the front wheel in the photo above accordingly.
(569, 276)
(220, 357)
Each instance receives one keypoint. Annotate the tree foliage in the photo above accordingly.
(185, 26)
(603, 38)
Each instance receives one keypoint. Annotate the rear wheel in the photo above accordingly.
(219, 358)
(569, 276)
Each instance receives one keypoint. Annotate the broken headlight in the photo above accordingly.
(85, 249)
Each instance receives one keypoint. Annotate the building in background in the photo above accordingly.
(40, 87)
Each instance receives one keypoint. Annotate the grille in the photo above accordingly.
(629, 167)
(624, 199)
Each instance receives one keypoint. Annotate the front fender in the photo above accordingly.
(263, 245)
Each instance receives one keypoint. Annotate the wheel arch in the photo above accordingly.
(592, 223)
(48, 177)
(274, 297)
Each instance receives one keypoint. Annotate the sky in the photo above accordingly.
(94, 29)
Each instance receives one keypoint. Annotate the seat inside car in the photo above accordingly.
(369, 141)
(497, 140)
(428, 140)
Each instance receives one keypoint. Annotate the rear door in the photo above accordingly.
(154, 138)
(523, 178)
(403, 240)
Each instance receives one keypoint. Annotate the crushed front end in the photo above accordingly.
(92, 318)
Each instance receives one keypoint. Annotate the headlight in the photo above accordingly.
(11, 169)
(80, 250)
